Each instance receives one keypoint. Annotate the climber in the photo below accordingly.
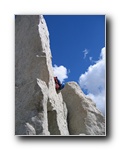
(58, 84)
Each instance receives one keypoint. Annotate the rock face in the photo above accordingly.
(83, 116)
(39, 109)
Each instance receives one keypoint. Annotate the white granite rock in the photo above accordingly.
(83, 116)
(39, 109)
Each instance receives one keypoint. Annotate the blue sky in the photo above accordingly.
(77, 44)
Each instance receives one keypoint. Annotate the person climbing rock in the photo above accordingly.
(58, 85)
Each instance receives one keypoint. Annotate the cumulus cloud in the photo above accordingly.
(61, 72)
(93, 81)
(85, 53)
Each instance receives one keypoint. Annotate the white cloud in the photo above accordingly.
(90, 58)
(93, 80)
(85, 53)
(99, 99)
(61, 72)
